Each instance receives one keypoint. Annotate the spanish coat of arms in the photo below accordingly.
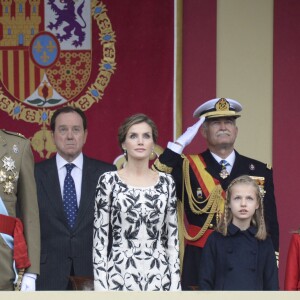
(53, 52)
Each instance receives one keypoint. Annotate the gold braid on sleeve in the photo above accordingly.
(213, 204)
(18, 284)
(162, 167)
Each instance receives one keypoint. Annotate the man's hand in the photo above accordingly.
(190, 133)
(28, 282)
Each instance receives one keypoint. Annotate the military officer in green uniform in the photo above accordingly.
(19, 214)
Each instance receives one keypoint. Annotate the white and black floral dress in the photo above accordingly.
(142, 223)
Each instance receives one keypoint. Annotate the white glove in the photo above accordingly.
(28, 282)
(190, 133)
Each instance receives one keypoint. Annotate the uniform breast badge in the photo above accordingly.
(7, 174)
(199, 193)
(252, 167)
(15, 149)
(8, 163)
(224, 173)
(3, 176)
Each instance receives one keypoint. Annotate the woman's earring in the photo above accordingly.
(125, 152)
(153, 154)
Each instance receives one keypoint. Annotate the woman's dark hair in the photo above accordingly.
(133, 120)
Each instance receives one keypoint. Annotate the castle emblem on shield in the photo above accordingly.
(52, 53)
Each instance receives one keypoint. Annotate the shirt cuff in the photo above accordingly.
(31, 275)
(175, 147)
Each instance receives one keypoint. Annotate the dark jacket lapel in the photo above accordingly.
(88, 188)
(50, 181)
(212, 166)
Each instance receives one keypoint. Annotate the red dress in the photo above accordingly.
(292, 271)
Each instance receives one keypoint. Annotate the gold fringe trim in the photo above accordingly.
(17, 286)
(214, 203)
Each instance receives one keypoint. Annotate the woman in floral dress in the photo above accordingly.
(135, 229)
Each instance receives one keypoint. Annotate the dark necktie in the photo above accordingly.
(224, 172)
(69, 196)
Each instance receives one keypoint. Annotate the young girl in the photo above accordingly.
(239, 255)
(292, 271)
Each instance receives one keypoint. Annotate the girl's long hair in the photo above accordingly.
(257, 220)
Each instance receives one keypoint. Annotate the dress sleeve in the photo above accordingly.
(291, 282)
(270, 280)
(101, 232)
(171, 233)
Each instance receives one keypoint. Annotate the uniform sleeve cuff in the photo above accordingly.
(31, 275)
(175, 147)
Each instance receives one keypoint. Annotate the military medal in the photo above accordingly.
(8, 187)
(8, 163)
(224, 173)
(7, 175)
(3, 176)
(15, 149)
(199, 193)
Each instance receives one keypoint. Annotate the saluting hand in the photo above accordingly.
(190, 133)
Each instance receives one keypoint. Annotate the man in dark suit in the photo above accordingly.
(67, 206)
(202, 180)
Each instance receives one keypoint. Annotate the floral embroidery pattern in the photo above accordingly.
(142, 226)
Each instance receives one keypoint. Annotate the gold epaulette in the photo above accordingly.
(269, 166)
(162, 167)
(14, 133)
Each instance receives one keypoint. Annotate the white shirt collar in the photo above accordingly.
(230, 158)
(61, 162)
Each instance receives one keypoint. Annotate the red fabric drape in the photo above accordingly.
(199, 61)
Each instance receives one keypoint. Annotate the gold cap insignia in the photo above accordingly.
(222, 105)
